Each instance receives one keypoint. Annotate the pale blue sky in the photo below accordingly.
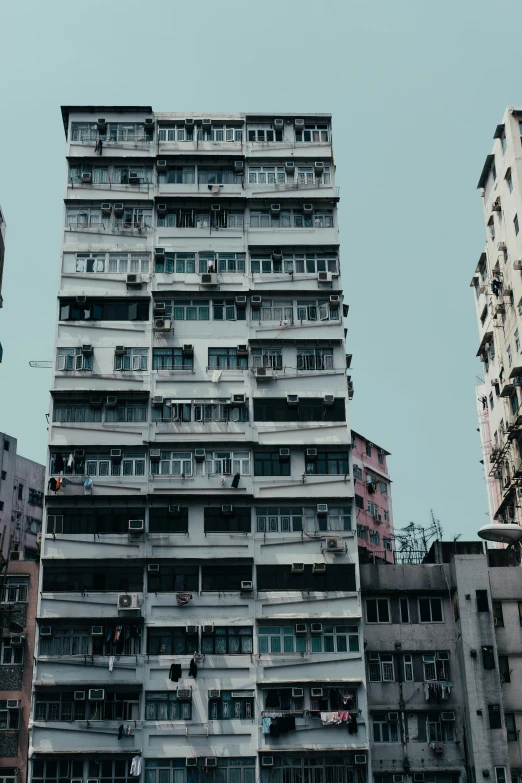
(416, 90)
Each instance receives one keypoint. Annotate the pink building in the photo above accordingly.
(373, 504)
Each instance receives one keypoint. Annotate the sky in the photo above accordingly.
(416, 90)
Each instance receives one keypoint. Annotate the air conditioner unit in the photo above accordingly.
(13, 704)
(241, 300)
(446, 716)
(443, 656)
(334, 545)
(153, 568)
(279, 124)
(118, 209)
(316, 627)
(322, 509)
(133, 281)
(200, 455)
(87, 350)
(502, 246)
(311, 453)
(207, 630)
(226, 509)
(255, 300)
(292, 399)
(301, 629)
(96, 694)
(189, 122)
(79, 696)
(192, 630)
(161, 164)
(206, 123)
(111, 401)
(184, 693)
(275, 209)
(17, 641)
(319, 568)
(106, 209)
(46, 630)
(208, 278)
(161, 210)
(81, 299)
(157, 402)
(297, 693)
(267, 761)
(214, 693)
(215, 207)
(329, 399)
(393, 716)
(237, 399)
(284, 453)
(97, 630)
(308, 209)
(116, 455)
(360, 758)
(316, 693)
(277, 255)
(86, 177)
(191, 762)
(318, 167)
(517, 265)
(136, 525)
(119, 350)
(134, 178)
(289, 166)
(299, 123)
(127, 601)
(324, 277)
(174, 509)
(264, 372)
(242, 350)
(38, 539)
(297, 568)
(159, 308)
(102, 125)
(335, 299)
(78, 453)
(154, 455)
(239, 166)
(149, 125)
(162, 324)
(247, 586)
(398, 778)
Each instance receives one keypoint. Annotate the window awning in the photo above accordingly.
(487, 338)
(485, 171)
(516, 370)
(499, 131)
(481, 262)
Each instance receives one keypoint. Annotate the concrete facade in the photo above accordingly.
(200, 393)
(437, 697)
(373, 503)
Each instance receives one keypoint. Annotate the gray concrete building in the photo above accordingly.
(443, 641)
(200, 501)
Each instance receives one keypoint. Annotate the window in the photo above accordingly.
(267, 357)
(357, 472)
(35, 497)
(127, 411)
(11, 655)
(134, 217)
(375, 537)
(498, 614)
(307, 768)
(177, 175)
(173, 463)
(435, 667)
(408, 668)
(231, 640)
(189, 218)
(228, 310)
(509, 356)
(511, 726)
(171, 359)
(263, 133)
(298, 263)
(280, 639)
(166, 706)
(509, 180)
(50, 706)
(15, 589)
(517, 341)
(377, 610)
(175, 411)
(313, 133)
(315, 359)
(187, 310)
(34, 526)
(266, 175)
(94, 578)
(104, 310)
(336, 638)
(381, 667)
(495, 716)
(278, 520)
(95, 520)
(239, 521)
(8, 774)
(86, 132)
(500, 774)
(132, 464)
(291, 219)
(20, 491)
(75, 411)
(440, 730)
(73, 359)
(380, 456)
(226, 463)
(121, 174)
(337, 518)
(281, 699)
(306, 175)
(281, 577)
(9, 718)
(384, 729)
(222, 262)
(230, 770)
(387, 542)
(513, 403)
(482, 601)
(404, 607)
(231, 705)
(225, 578)
(176, 263)
(362, 532)
(123, 263)
(61, 769)
(327, 463)
(175, 133)
(503, 667)
(171, 641)
(6, 445)
(359, 501)
(515, 223)
(132, 360)
(430, 610)
(163, 520)
(226, 359)
(270, 463)
(218, 175)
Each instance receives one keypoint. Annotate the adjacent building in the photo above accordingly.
(21, 502)
(497, 285)
(443, 646)
(373, 504)
(199, 616)
(2, 255)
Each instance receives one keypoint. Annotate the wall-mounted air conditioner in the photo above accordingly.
(319, 568)
(247, 586)
(334, 545)
(79, 696)
(324, 277)
(200, 455)
(127, 601)
(162, 324)
(316, 628)
(118, 209)
(97, 630)
(297, 568)
(264, 372)
(284, 453)
(96, 694)
(154, 455)
(227, 509)
(292, 399)
(209, 278)
(46, 630)
(316, 693)
(111, 401)
(297, 693)
(136, 525)
(116, 455)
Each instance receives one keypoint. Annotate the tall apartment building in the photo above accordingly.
(21, 502)
(497, 284)
(443, 648)
(199, 616)
(373, 504)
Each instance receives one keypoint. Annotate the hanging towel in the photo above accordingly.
(235, 481)
(111, 663)
(135, 767)
(70, 461)
(344, 716)
(193, 669)
(329, 718)
(266, 723)
(216, 376)
(183, 598)
(175, 672)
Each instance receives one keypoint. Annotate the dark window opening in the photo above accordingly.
(482, 601)
(280, 577)
(163, 520)
(239, 521)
